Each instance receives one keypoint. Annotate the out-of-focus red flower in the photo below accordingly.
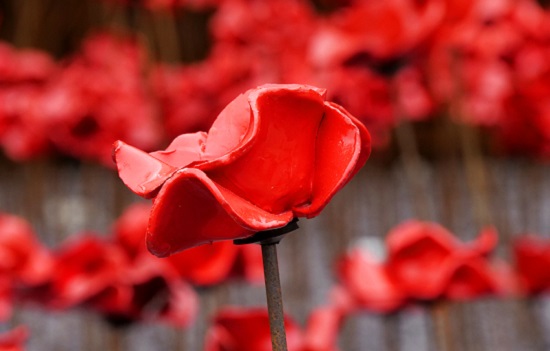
(85, 266)
(24, 263)
(425, 259)
(368, 284)
(375, 31)
(14, 340)
(275, 35)
(248, 330)
(100, 96)
(24, 66)
(22, 257)
(254, 43)
(492, 68)
(149, 292)
(23, 75)
(254, 170)
(424, 262)
(532, 259)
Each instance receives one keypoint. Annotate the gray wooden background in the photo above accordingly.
(461, 192)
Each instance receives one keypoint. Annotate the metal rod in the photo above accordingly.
(274, 297)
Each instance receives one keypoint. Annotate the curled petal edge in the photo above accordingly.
(174, 224)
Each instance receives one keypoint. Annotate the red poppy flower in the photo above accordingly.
(23, 76)
(22, 258)
(532, 260)
(14, 339)
(147, 291)
(100, 96)
(422, 256)
(274, 153)
(84, 268)
(376, 31)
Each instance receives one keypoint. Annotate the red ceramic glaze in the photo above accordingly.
(274, 153)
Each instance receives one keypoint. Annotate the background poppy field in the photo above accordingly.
(439, 243)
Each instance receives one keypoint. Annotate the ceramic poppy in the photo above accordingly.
(275, 153)
(424, 258)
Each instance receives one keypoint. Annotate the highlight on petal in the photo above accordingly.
(141, 172)
(191, 210)
(183, 150)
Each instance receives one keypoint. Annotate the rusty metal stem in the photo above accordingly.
(274, 297)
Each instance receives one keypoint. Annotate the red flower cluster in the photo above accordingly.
(115, 275)
(424, 262)
(384, 62)
(79, 107)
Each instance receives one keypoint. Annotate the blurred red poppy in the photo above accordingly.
(100, 96)
(85, 266)
(425, 260)
(23, 77)
(22, 257)
(276, 152)
(147, 292)
(14, 340)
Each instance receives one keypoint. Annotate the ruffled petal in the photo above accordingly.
(232, 130)
(343, 146)
(191, 210)
(183, 150)
(276, 172)
(141, 172)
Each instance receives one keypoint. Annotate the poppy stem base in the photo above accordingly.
(274, 297)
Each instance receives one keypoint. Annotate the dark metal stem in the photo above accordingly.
(274, 297)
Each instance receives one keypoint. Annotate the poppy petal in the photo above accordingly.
(191, 210)
(276, 172)
(141, 172)
(183, 150)
(340, 152)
